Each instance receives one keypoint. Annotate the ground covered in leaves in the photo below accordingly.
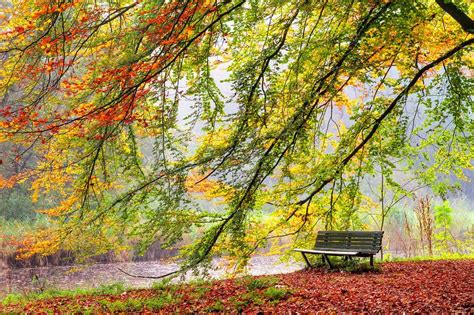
(429, 286)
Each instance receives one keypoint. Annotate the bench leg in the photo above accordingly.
(306, 259)
(327, 260)
(372, 260)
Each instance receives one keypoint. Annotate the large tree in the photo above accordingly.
(318, 95)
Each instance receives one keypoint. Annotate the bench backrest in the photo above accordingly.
(360, 241)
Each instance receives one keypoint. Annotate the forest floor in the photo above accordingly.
(425, 286)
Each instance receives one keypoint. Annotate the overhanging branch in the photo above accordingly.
(456, 13)
(389, 109)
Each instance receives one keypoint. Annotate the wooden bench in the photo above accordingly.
(345, 243)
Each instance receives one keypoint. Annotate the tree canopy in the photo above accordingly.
(318, 97)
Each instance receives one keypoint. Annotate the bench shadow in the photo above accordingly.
(356, 266)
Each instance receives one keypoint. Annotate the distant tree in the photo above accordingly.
(443, 221)
(321, 93)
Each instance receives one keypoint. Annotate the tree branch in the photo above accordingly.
(456, 13)
(389, 109)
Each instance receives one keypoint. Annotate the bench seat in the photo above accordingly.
(331, 252)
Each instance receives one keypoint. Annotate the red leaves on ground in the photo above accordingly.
(432, 286)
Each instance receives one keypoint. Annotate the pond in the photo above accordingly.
(70, 277)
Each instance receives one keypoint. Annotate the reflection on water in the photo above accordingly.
(29, 279)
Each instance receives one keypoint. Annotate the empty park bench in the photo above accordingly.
(345, 243)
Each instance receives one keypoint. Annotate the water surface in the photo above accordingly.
(70, 277)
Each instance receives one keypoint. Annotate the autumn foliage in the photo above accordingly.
(130, 127)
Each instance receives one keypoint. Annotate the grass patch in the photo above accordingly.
(243, 301)
(138, 304)
(22, 299)
(12, 298)
(253, 284)
(444, 256)
(276, 294)
(199, 292)
(114, 288)
(218, 306)
(162, 285)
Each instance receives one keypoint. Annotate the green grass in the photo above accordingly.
(360, 265)
(16, 298)
(260, 283)
(443, 256)
(241, 301)
(154, 303)
(218, 306)
(276, 294)
(162, 285)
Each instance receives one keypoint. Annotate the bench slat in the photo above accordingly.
(359, 250)
(346, 239)
(313, 251)
(342, 233)
(340, 238)
(350, 232)
(348, 242)
(371, 244)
